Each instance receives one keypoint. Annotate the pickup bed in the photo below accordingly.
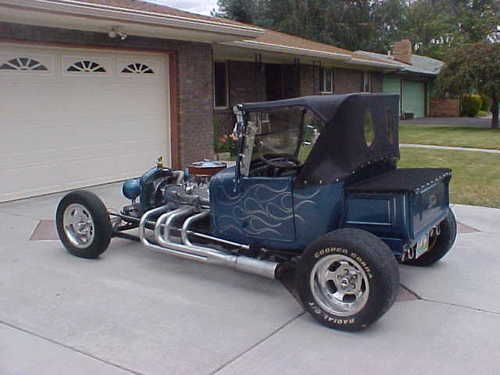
(401, 205)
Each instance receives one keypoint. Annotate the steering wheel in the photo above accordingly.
(280, 162)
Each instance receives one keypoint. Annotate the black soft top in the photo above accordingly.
(341, 148)
(324, 106)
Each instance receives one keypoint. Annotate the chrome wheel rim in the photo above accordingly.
(78, 225)
(339, 285)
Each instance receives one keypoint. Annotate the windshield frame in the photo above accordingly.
(248, 134)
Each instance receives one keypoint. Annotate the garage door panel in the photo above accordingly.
(71, 153)
(414, 98)
(70, 129)
(60, 175)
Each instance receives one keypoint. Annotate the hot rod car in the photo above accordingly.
(315, 192)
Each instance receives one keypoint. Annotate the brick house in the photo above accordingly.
(276, 66)
(413, 81)
(93, 91)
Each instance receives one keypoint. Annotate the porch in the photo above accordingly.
(242, 75)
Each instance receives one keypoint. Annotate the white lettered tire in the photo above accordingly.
(347, 279)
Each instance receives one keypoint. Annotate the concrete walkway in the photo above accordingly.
(134, 311)
(434, 147)
(475, 122)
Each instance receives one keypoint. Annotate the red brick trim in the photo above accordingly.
(175, 140)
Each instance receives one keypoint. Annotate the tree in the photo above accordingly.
(429, 26)
(238, 10)
(434, 26)
(474, 68)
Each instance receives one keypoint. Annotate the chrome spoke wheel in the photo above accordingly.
(339, 285)
(78, 225)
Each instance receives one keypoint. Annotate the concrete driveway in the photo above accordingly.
(140, 312)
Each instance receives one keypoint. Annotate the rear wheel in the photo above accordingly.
(83, 224)
(347, 279)
(438, 245)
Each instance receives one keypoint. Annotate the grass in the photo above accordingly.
(476, 175)
(450, 136)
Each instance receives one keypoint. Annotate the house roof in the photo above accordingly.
(278, 38)
(145, 6)
(263, 39)
(274, 41)
(134, 14)
(419, 64)
(161, 21)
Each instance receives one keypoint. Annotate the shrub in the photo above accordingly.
(485, 103)
(471, 104)
(223, 142)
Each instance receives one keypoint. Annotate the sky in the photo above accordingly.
(195, 6)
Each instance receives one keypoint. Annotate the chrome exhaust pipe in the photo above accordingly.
(187, 250)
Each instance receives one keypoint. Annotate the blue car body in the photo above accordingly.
(272, 212)
(343, 183)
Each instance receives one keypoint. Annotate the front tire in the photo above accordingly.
(347, 279)
(83, 224)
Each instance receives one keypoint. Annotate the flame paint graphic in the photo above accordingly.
(263, 210)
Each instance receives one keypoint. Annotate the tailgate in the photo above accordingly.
(428, 206)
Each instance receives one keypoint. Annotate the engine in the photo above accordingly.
(164, 186)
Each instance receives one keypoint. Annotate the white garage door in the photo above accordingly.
(72, 117)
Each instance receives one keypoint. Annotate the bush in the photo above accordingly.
(223, 142)
(471, 104)
(485, 103)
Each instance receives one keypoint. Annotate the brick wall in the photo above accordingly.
(377, 81)
(307, 77)
(445, 108)
(246, 84)
(347, 81)
(195, 101)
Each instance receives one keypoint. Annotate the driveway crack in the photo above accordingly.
(72, 348)
(477, 309)
(258, 343)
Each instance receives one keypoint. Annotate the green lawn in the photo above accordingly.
(476, 175)
(450, 136)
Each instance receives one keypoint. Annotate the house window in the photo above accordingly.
(86, 66)
(137, 68)
(220, 85)
(23, 64)
(326, 81)
(366, 85)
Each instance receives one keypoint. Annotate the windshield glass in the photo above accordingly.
(283, 132)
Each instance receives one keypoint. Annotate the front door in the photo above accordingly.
(265, 208)
(258, 210)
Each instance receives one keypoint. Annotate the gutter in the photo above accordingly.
(343, 57)
(261, 46)
(378, 64)
(79, 8)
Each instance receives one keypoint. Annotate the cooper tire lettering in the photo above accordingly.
(369, 255)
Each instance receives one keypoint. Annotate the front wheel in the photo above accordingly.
(347, 279)
(83, 224)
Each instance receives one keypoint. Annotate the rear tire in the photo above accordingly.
(442, 244)
(347, 279)
(83, 224)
